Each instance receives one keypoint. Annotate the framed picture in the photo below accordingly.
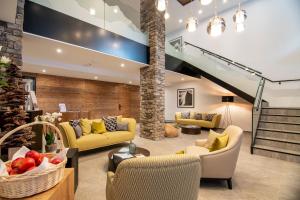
(177, 43)
(186, 98)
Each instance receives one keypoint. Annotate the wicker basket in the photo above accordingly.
(24, 185)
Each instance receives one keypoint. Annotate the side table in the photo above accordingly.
(72, 162)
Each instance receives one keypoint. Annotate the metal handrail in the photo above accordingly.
(239, 65)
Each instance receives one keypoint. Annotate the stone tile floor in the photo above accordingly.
(256, 177)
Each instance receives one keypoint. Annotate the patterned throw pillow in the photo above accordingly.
(198, 116)
(76, 127)
(185, 115)
(209, 117)
(122, 126)
(110, 123)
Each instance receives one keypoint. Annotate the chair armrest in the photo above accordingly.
(109, 185)
(200, 142)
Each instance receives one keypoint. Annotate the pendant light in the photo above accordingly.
(216, 25)
(239, 18)
(161, 5)
(191, 25)
(205, 2)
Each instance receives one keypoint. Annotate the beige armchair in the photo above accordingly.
(221, 164)
(160, 177)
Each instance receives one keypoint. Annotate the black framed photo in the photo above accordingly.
(177, 43)
(186, 98)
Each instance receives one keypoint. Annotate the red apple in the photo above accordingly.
(36, 156)
(55, 161)
(21, 165)
(8, 169)
(14, 171)
(17, 163)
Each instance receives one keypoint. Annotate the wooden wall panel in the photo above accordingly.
(95, 97)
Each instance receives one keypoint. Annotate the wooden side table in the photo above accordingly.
(62, 191)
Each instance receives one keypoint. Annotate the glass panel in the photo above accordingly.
(232, 75)
(119, 16)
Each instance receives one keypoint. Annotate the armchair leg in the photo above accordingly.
(229, 183)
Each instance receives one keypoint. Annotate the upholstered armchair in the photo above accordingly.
(158, 177)
(221, 164)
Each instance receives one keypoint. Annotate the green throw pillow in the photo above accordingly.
(98, 127)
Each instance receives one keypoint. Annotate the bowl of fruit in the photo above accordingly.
(30, 172)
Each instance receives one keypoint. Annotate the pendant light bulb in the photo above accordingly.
(216, 26)
(191, 25)
(161, 5)
(240, 27)
(205, 2)
(240, 16)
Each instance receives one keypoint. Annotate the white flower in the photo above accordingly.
(5, 60)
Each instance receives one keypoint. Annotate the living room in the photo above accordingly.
(149, 100)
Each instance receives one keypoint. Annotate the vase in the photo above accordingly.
(51, 148)
(132, 148)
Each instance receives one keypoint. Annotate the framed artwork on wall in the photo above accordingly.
(177, 43)
(186, 98)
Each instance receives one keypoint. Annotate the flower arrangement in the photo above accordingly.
(50, 117)
(4, 64)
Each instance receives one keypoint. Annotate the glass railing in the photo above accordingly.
(240, 79)
(118, 16)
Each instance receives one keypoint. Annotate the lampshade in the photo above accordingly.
(161, 5)
(216, 26)
(227, 99)
(191, 25)
(205, 2)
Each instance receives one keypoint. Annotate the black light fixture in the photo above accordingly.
(227, 98)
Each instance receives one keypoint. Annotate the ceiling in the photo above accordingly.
(8, 10)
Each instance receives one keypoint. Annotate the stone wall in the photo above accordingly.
(11, 36)
(152, 77)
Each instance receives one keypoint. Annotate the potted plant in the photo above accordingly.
(50, 146)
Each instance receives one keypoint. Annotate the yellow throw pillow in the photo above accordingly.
(86, 126)
(119, 118)
(98, 127)
(220, 142)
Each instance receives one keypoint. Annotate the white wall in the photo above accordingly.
(207, 101)
(270, 44)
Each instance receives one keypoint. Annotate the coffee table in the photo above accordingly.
(112, 166)
(191, 129)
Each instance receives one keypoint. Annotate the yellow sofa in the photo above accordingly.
(92, 141)
(203, 123)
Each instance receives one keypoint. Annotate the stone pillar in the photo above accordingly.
(11, 36)
(152, 77)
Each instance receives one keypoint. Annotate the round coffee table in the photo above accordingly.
(191, 129)
(112, 166)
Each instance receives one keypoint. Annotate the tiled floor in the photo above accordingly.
(256, 177)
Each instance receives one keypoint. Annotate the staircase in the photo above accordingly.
(278, 134)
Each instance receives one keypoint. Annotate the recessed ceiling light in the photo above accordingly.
(116, 10)
(95, 77)
(130, 82)
(182, 79)
(205, 2)
(44, 71)
(253, 73)
(115, 45)
(200, 12)
(224, 1)
(58, 50)
(92, 11)
(180, 21)
(122, 65)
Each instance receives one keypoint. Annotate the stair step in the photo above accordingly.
(278, 150)
(279, 135)
(282, 108)
(278, 130)
(284, 115)
(287, 119)
(273, 152)
(281, 111)
(278, 139)
(280, 126)
(279, 122)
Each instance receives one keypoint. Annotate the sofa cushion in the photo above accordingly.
(185, 115)
(91, 141)
(110, 123)
(220, 142)
(198, 116)
(122, 126)
(86, 126)
(209, 117)
(118, 136)
(76, 126)
(98, 127)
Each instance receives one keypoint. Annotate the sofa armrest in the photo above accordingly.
(177, 116)
(131, 124)
(200, 142)
(216, 120)
(68, 134)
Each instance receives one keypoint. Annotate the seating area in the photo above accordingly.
(149, 100)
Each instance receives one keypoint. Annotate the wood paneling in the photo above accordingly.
(95, 97)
